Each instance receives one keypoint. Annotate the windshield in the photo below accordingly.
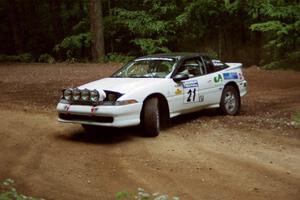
(150, 68)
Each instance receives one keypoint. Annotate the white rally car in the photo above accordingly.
(152, 89)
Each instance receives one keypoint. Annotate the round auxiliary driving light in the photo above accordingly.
(85, 95)
(67, 94)
(76, 94)
(94, 96)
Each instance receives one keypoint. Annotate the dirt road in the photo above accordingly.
(255, 155)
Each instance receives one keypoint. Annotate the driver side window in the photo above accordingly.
(192, 68)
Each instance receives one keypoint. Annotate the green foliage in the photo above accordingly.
(211, 53)
(151, 46)
(122, 195)
(82, 26)
(114, 57)
(73, 45)
(151, 25)
(46, 58)
(289, 61)
(296, 119)
(142, 195)
(228, 29)
(282, 28)
(26, 57)
(8, 192)
(211, 24)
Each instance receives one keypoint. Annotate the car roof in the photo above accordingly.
(177, 56)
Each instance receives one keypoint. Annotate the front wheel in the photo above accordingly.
(151, 118)
(230, 101)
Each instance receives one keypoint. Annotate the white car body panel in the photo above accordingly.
(125, 116)
(190, 95)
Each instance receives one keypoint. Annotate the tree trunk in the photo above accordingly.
(220, 42)
(56, 20)
(15, 29)
(96, 19)
(258, 42)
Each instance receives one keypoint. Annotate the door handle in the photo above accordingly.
(209, 81)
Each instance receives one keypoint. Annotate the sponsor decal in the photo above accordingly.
(190, 84)
(158, 58)
(230, 75)
(94, 109)
(217, 63)
(191, 95)
(66, 108)
(218, 79)
(201, 98)
(178, 91)
(191, 91)
(241, 76)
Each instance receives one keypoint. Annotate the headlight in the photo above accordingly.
(85, 95)
(112, 96)
(119, 103)
(76, 94)
(126, 102)
(94, 95)
(67, 94)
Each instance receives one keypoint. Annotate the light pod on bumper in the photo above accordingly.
(76, 94)
(85, 95)
(94, 95)
(67, 94)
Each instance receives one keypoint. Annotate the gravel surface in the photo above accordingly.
(204, 155)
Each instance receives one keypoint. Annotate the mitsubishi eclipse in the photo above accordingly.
(150, 90)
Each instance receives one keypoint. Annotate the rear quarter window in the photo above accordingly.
(218, 65)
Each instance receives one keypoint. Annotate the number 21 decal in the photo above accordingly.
(191, 95)
(191, 91)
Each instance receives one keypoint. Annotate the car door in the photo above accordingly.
(195, 90)
(215, 77)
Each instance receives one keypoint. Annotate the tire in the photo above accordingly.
(151, 118)
(230, 101)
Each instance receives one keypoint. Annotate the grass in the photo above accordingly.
(296, 119)
(142, 195)
(9, 192)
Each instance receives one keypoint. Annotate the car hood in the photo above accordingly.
(121, 85)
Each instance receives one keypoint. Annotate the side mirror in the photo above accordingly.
(180, 77)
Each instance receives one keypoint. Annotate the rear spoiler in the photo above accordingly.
(234, 65)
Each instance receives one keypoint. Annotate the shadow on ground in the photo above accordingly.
(182, 119)
(101, 135)
(109, 135)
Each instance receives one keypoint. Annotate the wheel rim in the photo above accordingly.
(230, 101)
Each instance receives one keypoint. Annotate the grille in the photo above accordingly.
(101, 119)
(88, 103)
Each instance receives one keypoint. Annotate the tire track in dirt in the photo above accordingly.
(76, 165)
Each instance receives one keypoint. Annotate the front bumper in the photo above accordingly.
(102, 115)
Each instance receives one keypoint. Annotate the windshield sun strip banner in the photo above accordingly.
(145, 59)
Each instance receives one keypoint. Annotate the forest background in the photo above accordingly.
(255, 32)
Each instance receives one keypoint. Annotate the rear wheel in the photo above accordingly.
(230, 101)
(151, 118)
